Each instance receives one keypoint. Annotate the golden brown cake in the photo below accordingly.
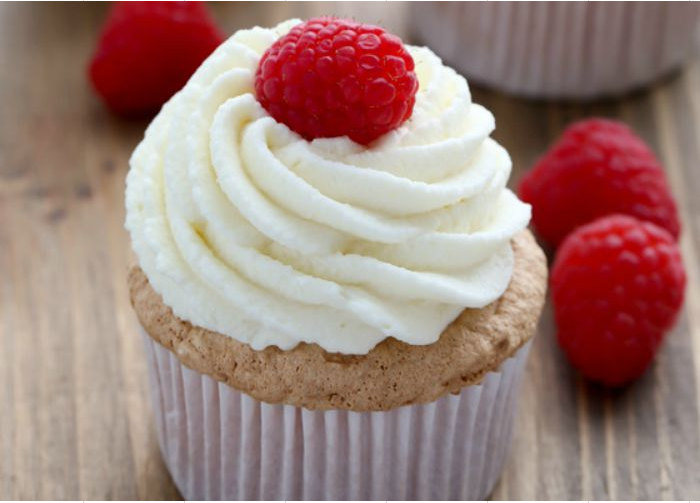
(391, 375)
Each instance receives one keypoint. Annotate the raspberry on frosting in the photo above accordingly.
(617, 286)
(332, 77)
(598, 167)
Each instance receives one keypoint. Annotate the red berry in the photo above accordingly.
(598, 167)
(148, 50)
(333, 77)
(617, 286)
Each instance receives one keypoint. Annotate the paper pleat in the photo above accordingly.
(220, 444)
(559, 49)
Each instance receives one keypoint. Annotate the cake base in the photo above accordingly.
(221, 444)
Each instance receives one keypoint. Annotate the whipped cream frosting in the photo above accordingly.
(245, 228)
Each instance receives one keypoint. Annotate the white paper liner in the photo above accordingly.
(220, 444)
(559, 49)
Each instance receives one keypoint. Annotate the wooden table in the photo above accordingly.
(76, 421)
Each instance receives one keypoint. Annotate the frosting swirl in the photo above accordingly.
(249, 230)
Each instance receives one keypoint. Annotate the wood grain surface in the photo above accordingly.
(75, 420)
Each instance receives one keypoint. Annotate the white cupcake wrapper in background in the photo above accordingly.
(219, 443)
(559, 49)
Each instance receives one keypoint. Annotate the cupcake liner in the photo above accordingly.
(559, 49)
(221, 444)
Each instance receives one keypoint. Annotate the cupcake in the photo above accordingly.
(559, 49)
(337, 290)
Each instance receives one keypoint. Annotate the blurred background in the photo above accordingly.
(76, 421)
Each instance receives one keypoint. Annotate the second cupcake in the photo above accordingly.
(575, 50)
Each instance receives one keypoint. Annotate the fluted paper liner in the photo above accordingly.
(221, 444)
(559, 49)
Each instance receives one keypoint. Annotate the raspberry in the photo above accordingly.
(147, 51)
(597, 168)
(617, 285)
(333, 77)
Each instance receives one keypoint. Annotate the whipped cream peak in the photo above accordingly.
(245, 228)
